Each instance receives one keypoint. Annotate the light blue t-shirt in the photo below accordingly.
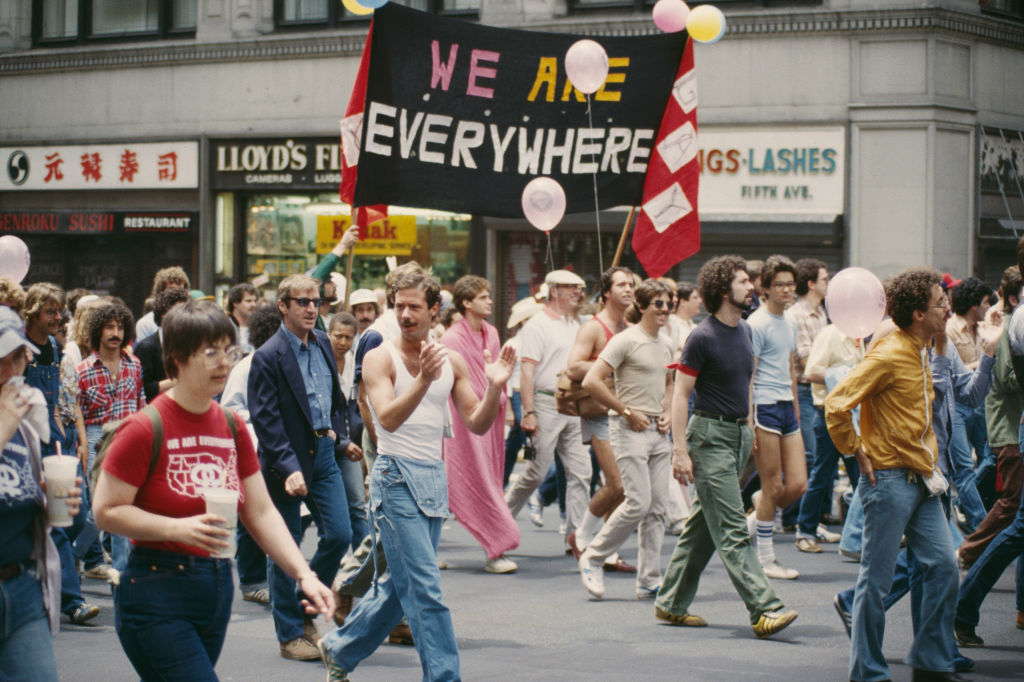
(774, 340)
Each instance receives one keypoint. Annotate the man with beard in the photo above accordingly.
(296, 408)
(544, 348)
(717, 361)
(241, 302)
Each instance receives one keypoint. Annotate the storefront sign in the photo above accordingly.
(276, 163)
(393, 236)
(757, 173)
(133, 165)
(97, 222)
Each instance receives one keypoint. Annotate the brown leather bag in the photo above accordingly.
(573, 400)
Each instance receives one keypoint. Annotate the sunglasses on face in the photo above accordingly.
(303, 301)
(661, 304)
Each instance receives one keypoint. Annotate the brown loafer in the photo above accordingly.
(344, 602)
(401, 635)
(619, 566)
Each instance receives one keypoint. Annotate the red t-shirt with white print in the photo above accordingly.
(198, 453)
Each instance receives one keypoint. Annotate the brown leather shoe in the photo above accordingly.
(619, 566)
(401, 635)
(1020, 620)
(344, 602)
(570, 539)
(309, 631)
(300, 649)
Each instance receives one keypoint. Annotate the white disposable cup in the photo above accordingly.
(60, 472)
(224, 502)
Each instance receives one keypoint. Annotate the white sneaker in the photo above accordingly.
(500, 564)
(754, 499)
(536, 509)
(678, 527)
(773, 569)
(592, 576)
(752, 526)
(825, 535)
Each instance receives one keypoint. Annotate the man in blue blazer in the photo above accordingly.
(296, 407)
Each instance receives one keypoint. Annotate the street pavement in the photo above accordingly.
(540, 624)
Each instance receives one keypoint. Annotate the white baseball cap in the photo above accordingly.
(12, 333)
(362, 296)
(564, 278)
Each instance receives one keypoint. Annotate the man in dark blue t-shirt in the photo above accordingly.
(717, 361)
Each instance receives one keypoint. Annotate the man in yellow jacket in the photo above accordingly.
(901, 482)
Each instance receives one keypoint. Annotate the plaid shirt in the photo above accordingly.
(809, 323)
(100, 400)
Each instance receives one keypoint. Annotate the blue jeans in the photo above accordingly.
(852, 539)
(412, 585)
(70, 583)
(26, 647)
(962, 470)
(250, 560)
(805, 400)
(120, 547)
(823, 473)
(172, 612)
(515, 439)
(355, 495)
(326, 501)
(899, 505)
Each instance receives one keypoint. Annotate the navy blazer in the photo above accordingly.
(279, 409)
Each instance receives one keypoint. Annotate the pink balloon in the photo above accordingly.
(543, 203)
(14, 258)
(586, 64)
(855, 301)
(670, 15)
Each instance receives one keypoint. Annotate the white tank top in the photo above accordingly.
(420, 436)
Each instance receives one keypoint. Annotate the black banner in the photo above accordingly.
(461, 117)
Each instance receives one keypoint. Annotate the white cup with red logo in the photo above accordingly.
(224, 502)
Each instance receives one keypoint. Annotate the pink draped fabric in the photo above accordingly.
(476, 464)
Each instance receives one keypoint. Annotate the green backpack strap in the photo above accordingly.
(229, 416)
(158, 436)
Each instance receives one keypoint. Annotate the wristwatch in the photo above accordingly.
(626, 412)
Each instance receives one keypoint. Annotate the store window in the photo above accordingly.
(329, 13)
(79, 21)
(290, 233)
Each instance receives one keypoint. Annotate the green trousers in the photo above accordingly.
(719, 451)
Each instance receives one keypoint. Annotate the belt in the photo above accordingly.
(13, 570)
(321, 433)
(719, 417)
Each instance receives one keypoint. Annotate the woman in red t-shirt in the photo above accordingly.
(174, 599)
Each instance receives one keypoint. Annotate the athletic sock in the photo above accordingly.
(765, 546)
(588, 529)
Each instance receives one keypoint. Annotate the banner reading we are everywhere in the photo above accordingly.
(456, 116)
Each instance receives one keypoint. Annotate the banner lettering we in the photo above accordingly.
(460, 117)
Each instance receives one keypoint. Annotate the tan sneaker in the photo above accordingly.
(773, 569)
(808, 545)
(770, 623)
(688, 620)
(300, 649)
(101, 572)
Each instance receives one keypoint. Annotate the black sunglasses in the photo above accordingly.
(661, 303)
(304, 302)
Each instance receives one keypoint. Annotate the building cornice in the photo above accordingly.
(349, 42)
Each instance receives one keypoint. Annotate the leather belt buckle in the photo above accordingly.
(320, 433)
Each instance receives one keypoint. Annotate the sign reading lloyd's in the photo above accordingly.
(763, 171)
(270, 163)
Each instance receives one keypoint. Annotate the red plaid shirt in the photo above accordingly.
(101, 401)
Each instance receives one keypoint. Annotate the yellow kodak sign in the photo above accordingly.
(392, 236)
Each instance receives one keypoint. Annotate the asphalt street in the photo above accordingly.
(540, 624)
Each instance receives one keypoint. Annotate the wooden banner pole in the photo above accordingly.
(622, 239)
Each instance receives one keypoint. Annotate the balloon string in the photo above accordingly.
(597, 210)
(549, 258)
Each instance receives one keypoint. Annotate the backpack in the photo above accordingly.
(111, 429)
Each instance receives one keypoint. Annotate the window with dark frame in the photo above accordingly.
(306, 14)
(1010, 9)
(75, 22)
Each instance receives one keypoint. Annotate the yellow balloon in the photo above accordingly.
(355, 8)
(705, 24)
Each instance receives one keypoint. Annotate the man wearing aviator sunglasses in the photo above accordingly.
(296, 406)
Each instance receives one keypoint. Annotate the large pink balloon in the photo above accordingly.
(670, 15)
(586, 64)
(14, 258)
(543, 203)
(855, 301)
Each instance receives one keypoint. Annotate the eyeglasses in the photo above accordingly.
(944, 304)
(784, 285)
(304, 302)
(212, 355)
(661, 303)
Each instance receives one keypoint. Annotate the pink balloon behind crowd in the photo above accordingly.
(586, 64)
(543, 203)
(855, 301)
(14, 258)
(670, 15)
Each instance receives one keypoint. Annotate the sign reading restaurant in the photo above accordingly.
(97, 222)
(276, 163)
(131, 165)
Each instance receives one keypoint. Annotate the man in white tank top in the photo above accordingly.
(408, 381)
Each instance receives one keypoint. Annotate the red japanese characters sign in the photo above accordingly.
(143, 165)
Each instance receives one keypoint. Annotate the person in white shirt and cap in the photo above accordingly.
(363, 305)
(544, 345)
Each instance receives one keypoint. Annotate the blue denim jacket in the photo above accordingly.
(954, 383)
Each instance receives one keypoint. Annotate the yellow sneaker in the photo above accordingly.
(688, 620)
(771, 622)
